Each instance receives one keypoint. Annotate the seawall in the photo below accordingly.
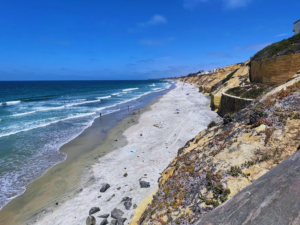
(275, 70)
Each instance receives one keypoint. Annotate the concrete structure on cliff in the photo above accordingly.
(297, 27)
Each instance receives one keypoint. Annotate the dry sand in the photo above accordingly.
(155, 148)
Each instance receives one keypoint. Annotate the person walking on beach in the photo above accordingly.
(128, 107)
(100, 115)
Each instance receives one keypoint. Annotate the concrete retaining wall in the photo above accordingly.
(275, 70)
(232, 104)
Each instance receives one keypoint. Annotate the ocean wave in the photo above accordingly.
(104, 97)
(81, 99)
(118, 93)
(152, 85)
(82, 103)
(68, 105)
(48, 123)
(129, 89)
(23, 114)
(11, 103)
(49, 108)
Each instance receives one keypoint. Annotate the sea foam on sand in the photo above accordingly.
(177, 117)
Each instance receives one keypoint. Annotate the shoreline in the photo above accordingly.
(153, 142)
(59, 180)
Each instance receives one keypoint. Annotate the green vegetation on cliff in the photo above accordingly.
(284, 47)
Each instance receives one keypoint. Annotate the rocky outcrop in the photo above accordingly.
(224, 159)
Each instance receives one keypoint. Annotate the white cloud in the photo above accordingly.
(156, 42)
(190, 4)
(281, 35)
(236, 3)
(220, 54)
(150, 42)
(155, 20)
(256, 47)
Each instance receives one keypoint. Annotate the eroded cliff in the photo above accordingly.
(222, 160)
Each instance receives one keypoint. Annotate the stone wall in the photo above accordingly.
(232, 104)
(275, 70)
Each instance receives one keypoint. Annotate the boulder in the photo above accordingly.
(104, 216)
(113, 222)
(94, 210)
(144, 184)
(90, 220)
(116, 213)
(104, 187)
(127, 202)
(121, 221)
(104, 222)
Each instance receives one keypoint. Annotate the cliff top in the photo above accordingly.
(284, 47)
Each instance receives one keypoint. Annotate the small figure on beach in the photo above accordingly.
(100, 115)
(128, 107)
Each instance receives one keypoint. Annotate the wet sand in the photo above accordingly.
(150, 145)
(67, 178)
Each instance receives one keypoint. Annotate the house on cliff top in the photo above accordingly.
(297, 27)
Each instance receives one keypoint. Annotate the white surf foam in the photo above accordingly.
(23, 114)
(47, 124)
(82, 103)
(129, 89)
(104, 97)
(10, 103)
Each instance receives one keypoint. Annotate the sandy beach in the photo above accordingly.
(151, 145)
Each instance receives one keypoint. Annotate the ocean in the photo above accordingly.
(38, 117)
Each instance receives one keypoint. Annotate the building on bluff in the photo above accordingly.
(297, 27)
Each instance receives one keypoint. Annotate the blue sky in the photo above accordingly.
(135, 39)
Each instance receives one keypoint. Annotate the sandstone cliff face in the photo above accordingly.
(239, 76)
(220, 81)
(222, 160)
(207, 82)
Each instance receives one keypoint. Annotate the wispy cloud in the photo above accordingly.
(281, 35)
(190, 4)
(146, 61)
(150, 42)
(155, 20)
(231, 4)
(220, 54)
(236, 3)
(256, 47)
(63, 42)
(56, 41)
(156, 42)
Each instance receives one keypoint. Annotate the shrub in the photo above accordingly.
(253, 94)
(229, 77)
(212, 124)
(286, 46)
